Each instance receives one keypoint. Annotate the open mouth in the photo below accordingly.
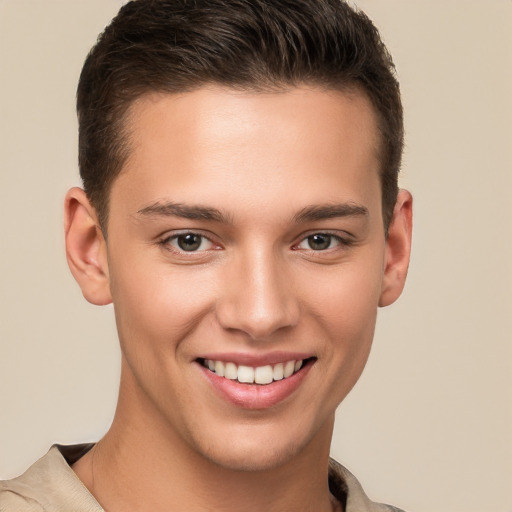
(261, 375)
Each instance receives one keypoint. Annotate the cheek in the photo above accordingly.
(347, 296)
(156, 308)
(345, 309)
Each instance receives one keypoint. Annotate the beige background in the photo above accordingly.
(429, 426)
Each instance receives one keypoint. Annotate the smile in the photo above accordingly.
(253, 375)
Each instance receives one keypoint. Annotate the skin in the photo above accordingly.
(256, 286)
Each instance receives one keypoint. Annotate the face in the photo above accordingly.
(246, 262)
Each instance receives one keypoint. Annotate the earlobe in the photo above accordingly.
(398, 250)
(86, 249)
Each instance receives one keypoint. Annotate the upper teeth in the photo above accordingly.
(250, 375)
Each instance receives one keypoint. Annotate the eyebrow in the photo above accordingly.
(192, 212)
(330, 211)
(197, 212)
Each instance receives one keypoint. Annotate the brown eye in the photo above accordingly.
(319, 241)
(189, 241)
(195, 245)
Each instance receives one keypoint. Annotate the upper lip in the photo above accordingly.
(255, 360)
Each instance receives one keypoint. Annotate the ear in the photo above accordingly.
(86, 249)
(398, 249)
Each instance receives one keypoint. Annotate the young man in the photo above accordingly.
(241, 211)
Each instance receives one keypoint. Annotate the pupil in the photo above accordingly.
(189, 242)
(319, 242)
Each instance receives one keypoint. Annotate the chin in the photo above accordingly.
(250, 448)
(252, 459)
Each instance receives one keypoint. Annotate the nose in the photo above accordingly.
(258, 297)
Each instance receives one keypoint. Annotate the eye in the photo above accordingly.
(188, 242)
(320, 242)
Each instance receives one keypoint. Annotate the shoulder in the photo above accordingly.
(347, 489)
(49, 485)
(14, 498)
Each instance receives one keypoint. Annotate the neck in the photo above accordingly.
(143, 464)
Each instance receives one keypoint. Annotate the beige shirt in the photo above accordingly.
(50, 485)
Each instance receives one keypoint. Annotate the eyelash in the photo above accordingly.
(342, 242)
(167, 242)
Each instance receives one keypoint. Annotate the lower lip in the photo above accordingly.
(255, 396)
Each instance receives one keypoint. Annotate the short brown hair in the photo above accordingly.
(179, 45)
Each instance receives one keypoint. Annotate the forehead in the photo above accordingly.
(216, 140)
(223, 111)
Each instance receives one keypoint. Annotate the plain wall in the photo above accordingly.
(429, 425)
